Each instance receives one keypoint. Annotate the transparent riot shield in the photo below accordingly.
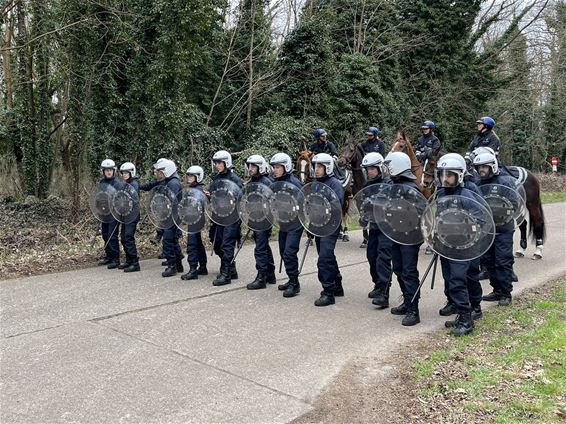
(160, 206)
(125, 206)
(365, 201)
(100, 201)
(224, 198)
(457, 227)
(322, 209)
(506, 203)
(189, 213)
(254, 207)
(286, 205)
(398, 215)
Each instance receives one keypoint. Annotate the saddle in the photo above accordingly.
(517, 172)
(343, 174)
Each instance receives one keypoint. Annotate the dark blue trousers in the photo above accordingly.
(128, 239)
(171, 247)
(328, 271)
(196, 253)
(225, 239)
(379, 258)
(499, 263)
(264, 262)
(110, 237)
(405, 260)
(289, 243)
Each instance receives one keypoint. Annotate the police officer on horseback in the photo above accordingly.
(485, 136)
(321, 145)
(373, 143)
(428, 145)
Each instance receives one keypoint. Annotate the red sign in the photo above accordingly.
(554, 161)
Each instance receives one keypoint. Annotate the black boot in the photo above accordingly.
(164, 263)
(124, 265)
(170, 271)
(224, 277)
(505, 300)
(325, 299)
(233, 271)
(179, 264)
(283, 286)
(258, 283)
(464, 324)
(448, 309)
(494, 296)
(133, 267)
(192, 274)
(373, 294)
(476, 312)
(105, 261)
(202, 270)
(412, 317)
(114, 264)
(381, 300)
(400, 310)
(338, 289)
(293, 287)
(270, 278)
(484, 275)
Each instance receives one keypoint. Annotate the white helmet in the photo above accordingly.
(157, 164)
(197, 171)
(399, 165)
(452, 162)
(128, 167)
(260, 162)
(108, 164)
(167, 166)
(372, 159)
(222, 156)
(282, 159)
(483, 149)
(488, 159)
(326, 160)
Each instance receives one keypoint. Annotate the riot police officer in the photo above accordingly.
(428, 145)
(379, 245)
(288, 240)
(373, 143)
(485, 136)
(258, 171)
(499, 258)
(321, 145)
(225, 238)
(110, 229)
(328, 271)
(196, 252)
(405, 257)
(128, 230)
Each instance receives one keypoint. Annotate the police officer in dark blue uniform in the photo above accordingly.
(428, 145)
(405, 257)
(485, 136)
(110, 229)
(499, 258)
(225, 238)
(321, 145)
(373, 143)
(166, 172)
(258, 171)
(379, 245)
(148, 187)
(328, 271)
(128, 231)
(288, 240)
(196, 253)
(462, 288)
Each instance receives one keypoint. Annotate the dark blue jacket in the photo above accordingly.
(428, 142)
(378, 180)
(335, 185)
(229, 175)
(327, 147)
(173, 184)
(375, 145)
(506, 181)
(115, 182)
(290, 178)
(485, 139)
(262, 179)
(407, 182)
(134, 183)
(149, 186)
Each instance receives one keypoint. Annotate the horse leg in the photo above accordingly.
(365, 232)
(520, 252)
(538, 230)
(345, 236)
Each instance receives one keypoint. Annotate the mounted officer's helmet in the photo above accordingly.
(222, 156)
(326, 160)
(428, 124)
(319, 132)
(128, 167)
(282, 159)
(197, 171)
(451, 162)
(108, 164)
(373, 131)
(399, 165)
(260, 162)
(488, 159)
(487, 121)
(167, 166)
(373, 159)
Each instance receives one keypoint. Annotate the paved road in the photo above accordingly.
(102, 346)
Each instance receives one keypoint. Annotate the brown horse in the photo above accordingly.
(303, 169)
(534, 205)
(403, 144)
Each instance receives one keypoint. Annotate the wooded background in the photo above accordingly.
(135, 80)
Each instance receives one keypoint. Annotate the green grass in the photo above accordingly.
(512, 369)
(553, 197)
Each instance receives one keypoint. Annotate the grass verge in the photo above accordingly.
(553, 197)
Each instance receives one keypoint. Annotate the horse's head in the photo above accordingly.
(347, 154)
(304, 166)
(401, 143)
(429, 167)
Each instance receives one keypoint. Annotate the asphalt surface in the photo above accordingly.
(99, 345)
